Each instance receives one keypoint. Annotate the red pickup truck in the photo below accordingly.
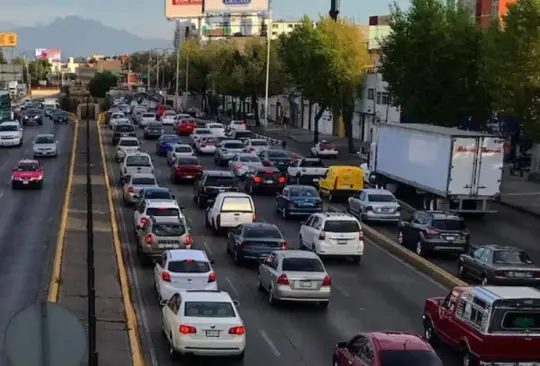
(488, 325)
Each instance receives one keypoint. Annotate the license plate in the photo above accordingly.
(305, 283)
(315, 179)
(25, 182)
(385, 209)
(166, 245)
(189, 176)
(342, 241)
(212, 333)
(269, 182)
(450, 238)
(125, 134)
(520, 274)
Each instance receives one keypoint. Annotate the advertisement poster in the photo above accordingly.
(51, 54)
(235, 6)
(178, 9)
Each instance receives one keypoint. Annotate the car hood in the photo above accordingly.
(44, 146)
(9, 134)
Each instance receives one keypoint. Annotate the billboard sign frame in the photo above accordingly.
(183, 9)
(8, 39)
(236, 6)
(51, 54)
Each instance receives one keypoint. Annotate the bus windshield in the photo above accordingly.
(5, 106)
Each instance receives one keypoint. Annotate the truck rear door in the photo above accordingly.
(462, 172)
(490, 165)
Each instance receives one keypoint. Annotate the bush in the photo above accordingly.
(102, 83)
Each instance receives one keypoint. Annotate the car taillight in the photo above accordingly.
(212, 277)
(251, 149)
(149, 240)
(283, 245)
(327, 280)
(431, 231)
(281, 180)
(144, 221)
(244, 125)
(369, 208)
(187, 240)
(238, 166)
(536, 274)
(361, 235)
(257, 180)
(240, 330)
(254, 217)
(322, 235)
(165, 276)
(131, 190)
(203, 145)
(282, 280)
(187, 329)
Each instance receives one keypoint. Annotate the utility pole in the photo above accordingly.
(334, 9)
(148, 75)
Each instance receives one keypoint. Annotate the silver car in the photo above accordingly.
(226, 150)
(256, 145)
(45, 145)
(294, 275)
(240, 164)
(135, 184)
(373, 204)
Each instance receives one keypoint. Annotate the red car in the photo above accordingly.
(27, 173)
(162, 108)
(385, 349)
(185, 168)
(186, 127)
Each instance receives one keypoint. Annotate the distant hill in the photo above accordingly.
(79, 37)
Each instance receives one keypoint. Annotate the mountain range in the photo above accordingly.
(79, 37)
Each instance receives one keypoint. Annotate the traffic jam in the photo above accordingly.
(224, 229)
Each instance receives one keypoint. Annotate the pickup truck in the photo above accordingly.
(306, 171)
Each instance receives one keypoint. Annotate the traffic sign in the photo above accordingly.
(8, 39)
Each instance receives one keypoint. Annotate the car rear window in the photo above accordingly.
(511, 257)
(408, 357)
(341, 226)
(28, 167)
(138, 160)
(277, 154)
(302, 265)
(267, 232)
(143, 181)
(243, 134)
(269, 174)
(250, 159)
(189, 266)
(162, 229)
(170, 138)
(155, 195)
(187, 149)
(203, 132)
(169, 113)
(149, 115)
(236, 204)
(125, 128)
(259, 143)
(304, 192)
(160, 212)
(209, 309)
(221, 181)
(237, 122)
(312, 163)
(381, 198)
(521, 320)
(215, 126)
(449, 224)
(187, 161)
(233, 145)
(129, 143)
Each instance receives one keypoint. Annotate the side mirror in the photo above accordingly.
(173, 197)
(236, 303)
(341, 345)
(212, 261)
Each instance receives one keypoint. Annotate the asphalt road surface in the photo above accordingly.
(380, 294)
(29, 223)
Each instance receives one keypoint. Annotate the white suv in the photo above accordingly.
(333, 234)
(183, 269)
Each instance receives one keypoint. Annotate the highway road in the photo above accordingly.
(380, 294)
(29, 223)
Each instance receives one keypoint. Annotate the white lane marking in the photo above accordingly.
(206, 246)
(232, 286)
(1, 194)
(339, 289)
(271, 344)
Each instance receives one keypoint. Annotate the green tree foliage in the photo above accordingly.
(102, 83)
(18, 61)
(435, 64)
(39, 69)
(2, 58)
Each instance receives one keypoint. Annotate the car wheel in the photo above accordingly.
(271, 300)
(461, 272)
(357, 259)
(259, 283)
(215, 230)
(237, 259)
(14, 185)
(40, 185)
(250, 191)
(284, 213)
(468, 359)
(485, 280)
(400, 238)
(172, 352)
(429, 333)
(330, 197)
(297, 179)
(419, 250)
(324, 305)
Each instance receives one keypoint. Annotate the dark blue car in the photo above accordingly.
(298, 200)
(254, 242)
(278, 158)
(165, 143)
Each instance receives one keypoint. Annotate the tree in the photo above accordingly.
(39, 69)
(101, 83)
(2, 58)
(435, 64)
(18, 61)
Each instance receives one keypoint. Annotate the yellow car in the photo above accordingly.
(341, 181)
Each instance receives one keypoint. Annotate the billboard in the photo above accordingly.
(8, 39)
(51, 54)
(177, 9)
(235, 6)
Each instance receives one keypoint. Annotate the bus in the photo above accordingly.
(5, 106)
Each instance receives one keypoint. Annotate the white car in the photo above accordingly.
(199, 133)
(115, 116)
(217, 129)
(180, 117)
(135, 163)
(183, 269)
(156, 208)
(146, 118)
(237, 125)
(229, 210)
(324, 149)
(11, 134)
(45, 145)
(256, 145)
(333, 234)
(127, 145)
(204, 323)
(168, 118)
(179, 150)
(206, 145)
(118, 121)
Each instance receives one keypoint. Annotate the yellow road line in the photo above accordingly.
(131, 318)
(54, 284)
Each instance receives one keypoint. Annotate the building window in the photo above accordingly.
(274, 33)
(379, 98)
(290, 25)
(385, 98)
(495, 7)
(371, 94)
(275, 26)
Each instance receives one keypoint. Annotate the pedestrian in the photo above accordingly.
(283, 144)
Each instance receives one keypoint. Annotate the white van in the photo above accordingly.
(229, 210)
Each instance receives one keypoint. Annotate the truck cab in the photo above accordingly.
(488, 325)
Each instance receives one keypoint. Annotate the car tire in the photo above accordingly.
(284, 214)
(215, 230)
(331, 197)
(419, 249)
(172, 352)
(260, 287)
(40, 185)
(429, 333)
(14, 185)
(461, 272)
(239, 358)
(357, 259)
(323, 305)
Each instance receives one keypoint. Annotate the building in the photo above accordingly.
(485, 10)
(378, 30)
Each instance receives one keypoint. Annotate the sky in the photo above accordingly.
(146, 19)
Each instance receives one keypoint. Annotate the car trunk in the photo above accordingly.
(305, 280)
(211, 328)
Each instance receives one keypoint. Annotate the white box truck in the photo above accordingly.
(450, 169)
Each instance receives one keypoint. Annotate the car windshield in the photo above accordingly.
(169, 229)
(448, 224)
(170, 139)
(233, 145)
(162, 211)
(406, 357)
(277, 154)
(341, 226)
(302, 265)
(129, 143)
(249, 159)
(209, 309)
(138, 160)
(221, 181)
(8, 128)
(169, 113)
(312, 163)
(27, 167)
(215, 126)
(511, 257)
(381, 198)
(187, 161)
(259, 143)
(189, 266)
(125, 128)
(146, 181)
(304, 192)
(45, 140)
(185, 148)
(149, 115)
(261, 231)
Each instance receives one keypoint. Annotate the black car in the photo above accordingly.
(153, 130)
(499, 265)
(33, 117)
(264, 180)
(211, 183)
(278, 158)
(434, 231)
(254, 242)
(123, 130)
(59, 116)
(48, 111)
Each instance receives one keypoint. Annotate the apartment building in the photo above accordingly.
(485, 10)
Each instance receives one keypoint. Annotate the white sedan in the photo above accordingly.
(207, 145)
(256, 145)
(217, 129)
(168, 118)
(179, 150)
(324, 149)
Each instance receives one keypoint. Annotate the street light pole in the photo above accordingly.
(176, 79)
(334, 9)
(157, 70)
(148, 74)
(267, 85)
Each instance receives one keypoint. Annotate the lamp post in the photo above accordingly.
(334, 9)
(267, 84)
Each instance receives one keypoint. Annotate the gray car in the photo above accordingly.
(241, 163)
(45, 145)
(153, 130)
(499, 265)
(375, 205)
(226, 150)
(294, 275)
(135, 184)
